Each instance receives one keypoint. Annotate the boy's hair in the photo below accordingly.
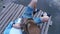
(29, 19)
(32, 26)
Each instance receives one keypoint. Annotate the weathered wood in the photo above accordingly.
(38, 14)
(22, 12)
(8, 16)
(19, 12)
(12, 17)
(1, 17)
(43, 28)
(47, 26)
(4, 9)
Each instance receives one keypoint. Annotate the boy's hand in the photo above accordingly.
(44, 19)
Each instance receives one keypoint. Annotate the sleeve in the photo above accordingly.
(37, 20)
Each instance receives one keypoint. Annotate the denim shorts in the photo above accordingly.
(28, 11)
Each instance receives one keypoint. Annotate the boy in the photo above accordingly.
(27, 14)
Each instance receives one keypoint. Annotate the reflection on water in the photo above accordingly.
(52, 9)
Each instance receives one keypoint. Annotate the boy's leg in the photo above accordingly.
(33, 4)
(28, 11)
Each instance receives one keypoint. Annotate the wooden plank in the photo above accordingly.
(35, 15)
(38, 14)
(12, 16)
(19, 10)
(4, 15)
(51, 23)
(4, 9)
(22, 12)
(18, 13)
(8, 18)
(6, 12)
(9, 15)
(21, 7)
(47, 26)
(43, 28)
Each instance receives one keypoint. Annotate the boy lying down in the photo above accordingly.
(28, 11)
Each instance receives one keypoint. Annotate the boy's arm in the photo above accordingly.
(41, 19)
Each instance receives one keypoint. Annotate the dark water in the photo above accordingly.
(55, 13)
